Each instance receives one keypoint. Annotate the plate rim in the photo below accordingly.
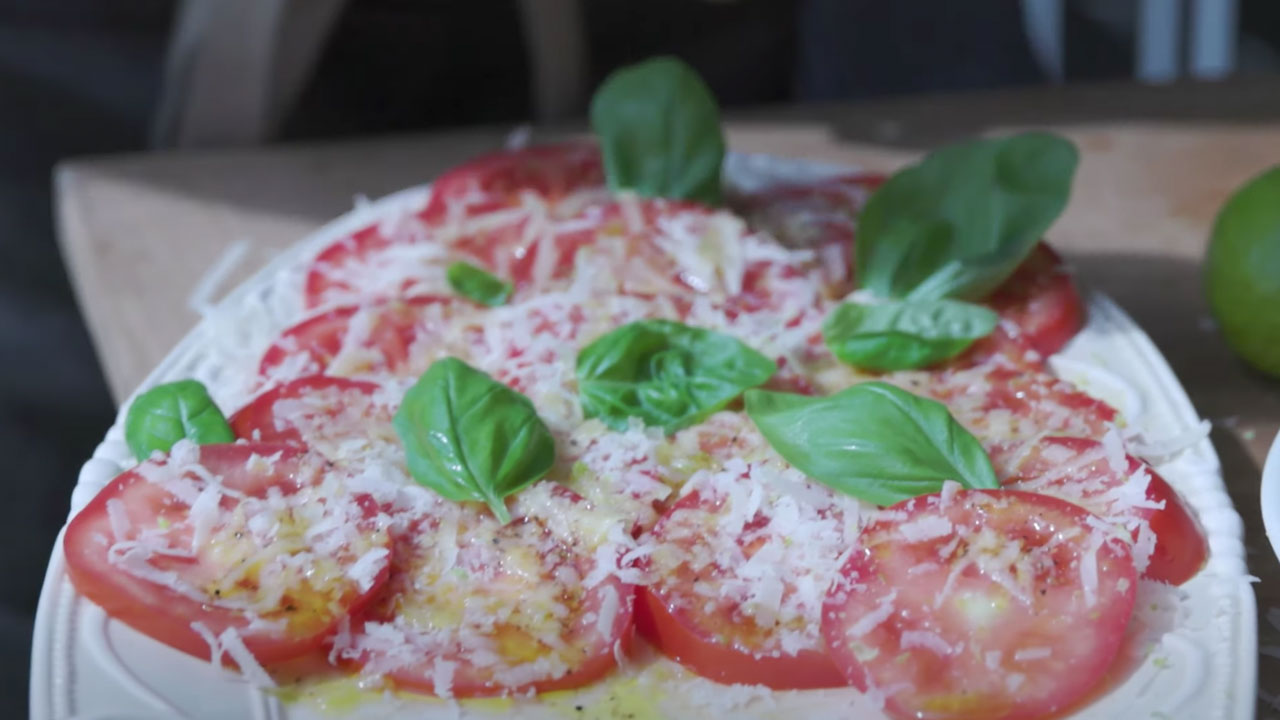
(1269, 495)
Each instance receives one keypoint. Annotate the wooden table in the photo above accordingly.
(138, 232)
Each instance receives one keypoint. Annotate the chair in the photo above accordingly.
(1210, 48)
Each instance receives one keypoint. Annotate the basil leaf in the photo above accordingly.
(959, 223)
(469, 437)
(475, 284)
(667, 374)
(659, 131)
(903, 335)
(167, 413)
(873, 441)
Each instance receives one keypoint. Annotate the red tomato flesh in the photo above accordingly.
(497, 181)
(1040, 300)
(712, 609)
(820, 215)
(334, 417)
(1079, 470)
(387, 332)
(326, 279)
(690, 646)
(478, 212)
(475, 608)
(1009, 404)
(368, 265)
(975, 606)
(140, 552)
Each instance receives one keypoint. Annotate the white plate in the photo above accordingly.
(1270, 495)
(1201, 666)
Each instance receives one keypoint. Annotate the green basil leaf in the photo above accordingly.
(873, 441)
(667, 374)
(904, 335)
(167, 413)
(475, 284)
(469, 437)
(958, 223)
(659, 131)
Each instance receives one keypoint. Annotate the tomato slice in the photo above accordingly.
(259, 539)
(819, 215)
(498, 181)
(639, 246)
(634, 246)
(493, 211)
(670, 632)
(981, 604)
(377, 338)
(1169, 545)
(740, 567)
(644, 247)
(330, 280)
(476, 608)
(369, 265)
(326, 414)
(810, 214)
(1009, 404)
(627, 472)
(731, 638)
(1040, 301)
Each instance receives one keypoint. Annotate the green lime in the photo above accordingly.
(1242, 271)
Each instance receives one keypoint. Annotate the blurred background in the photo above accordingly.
(81, 77)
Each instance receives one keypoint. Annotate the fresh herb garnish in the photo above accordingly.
(873, 441)
(901, 335)
(167, 413)
(477, 285)
(659, 131)
(668, 374)
(469, 437)
(958, 223)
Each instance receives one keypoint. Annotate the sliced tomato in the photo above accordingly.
(1040, 300)
(636, 246)
(359, 339)
(498, 181)
(477, 608)
(623, 237)
(647, 247)
(1008, 404)
(982, 605)
(819, 215)
(318, 411)
(690, 645)
(629, 472)
(810, 214)
(740, 566)
(1079, 470)
(255, 538)
(1004, 346)
(479, 212)
(369, 265)
(329, 278)
(658, 247)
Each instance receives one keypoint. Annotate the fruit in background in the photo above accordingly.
(1242, 272)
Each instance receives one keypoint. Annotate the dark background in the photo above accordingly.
(82, 77)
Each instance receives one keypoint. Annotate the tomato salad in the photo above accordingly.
(622, 507)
